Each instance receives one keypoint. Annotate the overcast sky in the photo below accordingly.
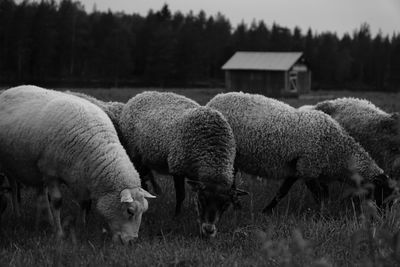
(321, 15)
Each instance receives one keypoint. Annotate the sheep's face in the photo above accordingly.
(211, 203)
(124, 213)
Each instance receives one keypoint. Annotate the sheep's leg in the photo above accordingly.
(142, 170)
(19, 199)
(16, 197)
(319, 191)
(3, 204)
(85, 204)
(282, 192)
(146, 174)
(43, 204)
(15, 194)
(154, 184)
(56, 202)
(85, 209)
(5, 189)
(179, 183)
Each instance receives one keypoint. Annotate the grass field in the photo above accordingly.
(298, 234)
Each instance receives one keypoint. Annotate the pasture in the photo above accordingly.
(299, 233)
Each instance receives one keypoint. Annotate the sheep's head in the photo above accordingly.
(212, 201)
(123, 212)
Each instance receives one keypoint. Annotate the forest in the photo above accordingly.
(61, 44)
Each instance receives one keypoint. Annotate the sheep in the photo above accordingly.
(48, 137)
(113, 110)
(277, 141)
(172, 134)
(376, 130)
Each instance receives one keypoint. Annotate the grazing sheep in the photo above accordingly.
(277, 141)
(172, 134)
(376, 130)
(49, 137)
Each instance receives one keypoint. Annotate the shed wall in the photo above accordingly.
(269, 83)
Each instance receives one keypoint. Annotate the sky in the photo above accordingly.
(338, 16)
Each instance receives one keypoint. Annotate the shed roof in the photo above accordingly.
(262, 61)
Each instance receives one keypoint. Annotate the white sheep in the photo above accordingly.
(49, 137)
(376, 130)
(277, 141)
(113, 110)
(172, 134)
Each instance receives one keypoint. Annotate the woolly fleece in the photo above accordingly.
(272, 136)
(376, 130)
(111, 108)
(171, 133)
(56, 135)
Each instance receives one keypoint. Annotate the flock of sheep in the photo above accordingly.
(105, 152)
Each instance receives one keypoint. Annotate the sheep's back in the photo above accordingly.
(376, 130)
(149, 122)
(271, 136)
(43, 124)
(355, 115)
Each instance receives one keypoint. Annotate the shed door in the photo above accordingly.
(293, 81)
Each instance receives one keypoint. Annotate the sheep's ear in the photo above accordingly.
(146, 194)
(126, 196)
(196, 185)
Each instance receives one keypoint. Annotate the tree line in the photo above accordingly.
(61, 43)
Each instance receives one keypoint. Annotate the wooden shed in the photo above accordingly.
(268, 73)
